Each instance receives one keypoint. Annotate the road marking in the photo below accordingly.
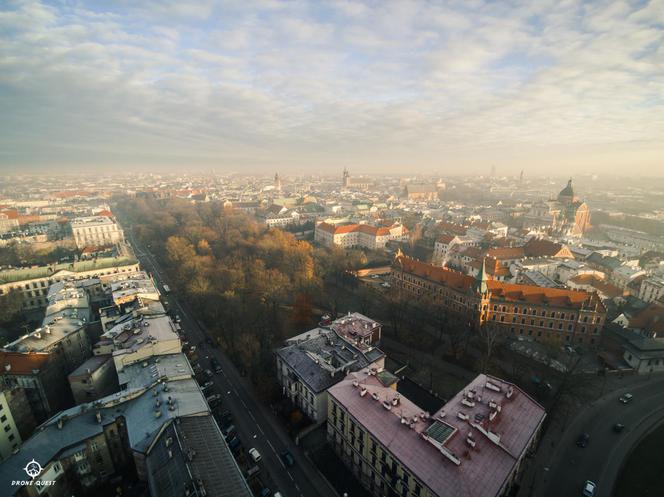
(260, 429)
(290, 476)
(252, 416)
(271, 446)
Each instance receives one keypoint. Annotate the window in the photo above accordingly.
(3, 418)
(11, 437)
(7, 428)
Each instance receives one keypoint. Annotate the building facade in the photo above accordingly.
(550, 315)
(96, 231)
(359, 235)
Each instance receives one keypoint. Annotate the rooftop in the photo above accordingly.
(170, 366)
(90, 365)
(52, 270)
(356, 328)
(91, 221)
(560, 297)
(467, 448)
(192, 453)
(323, 359)
(139, 408)
(68, 311)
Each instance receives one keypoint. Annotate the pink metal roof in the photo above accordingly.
(483, 469)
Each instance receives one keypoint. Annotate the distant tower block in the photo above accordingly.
(277, 182)
(521, 177)
(346, 177)
(493, 171)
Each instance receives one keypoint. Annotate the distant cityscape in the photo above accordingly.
(112, 383)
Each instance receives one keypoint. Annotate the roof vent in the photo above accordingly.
(387, 405)
(375, 396)
(363, 390)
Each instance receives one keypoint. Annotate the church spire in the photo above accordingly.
(482, 278)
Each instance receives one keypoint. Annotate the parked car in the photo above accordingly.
(252, 471)
(618, 427)
(228, 431)
(207, 385)
(627, 398)
(255, 455)
(583, 440)
(214, 398)
(287, 458)
(265, 492)
(589, 489)
(234, 444)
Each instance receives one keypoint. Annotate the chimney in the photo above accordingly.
(98, 416)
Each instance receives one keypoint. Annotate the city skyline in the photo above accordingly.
(560, 87)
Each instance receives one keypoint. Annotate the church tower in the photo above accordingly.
(346, 179)
(277, 182)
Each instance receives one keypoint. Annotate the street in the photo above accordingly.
(254, 423)
(562, 470)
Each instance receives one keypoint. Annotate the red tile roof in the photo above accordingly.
(651, 318)
(501, 253)
(22, 363)
(538, 247)
(501, 290)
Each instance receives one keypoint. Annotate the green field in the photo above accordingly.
(642, 474)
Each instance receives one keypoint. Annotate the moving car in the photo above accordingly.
(287, 458)
(627, 398)
(255, 455)
(589, 489)
(214, 364)
(618, 427)
(583, 440)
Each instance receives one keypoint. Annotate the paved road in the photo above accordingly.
(255, 425)
(570, 466)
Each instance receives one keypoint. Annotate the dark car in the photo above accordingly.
(265, 492)
(215, 366)
(618, 427)
(287, 458)
(583, 440)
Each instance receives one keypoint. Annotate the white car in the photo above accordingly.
(255, 455)
(589, 488)
(627, 398)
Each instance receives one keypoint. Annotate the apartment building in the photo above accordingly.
(10, 438)
(651, 289)
(34, 282)
(96, 231)
(312, 362)
(475, 445)
(94, 379)
(552, 315)
(359, 235)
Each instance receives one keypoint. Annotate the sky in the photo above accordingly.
(551, 86)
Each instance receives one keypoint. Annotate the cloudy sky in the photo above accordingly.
(382, 86)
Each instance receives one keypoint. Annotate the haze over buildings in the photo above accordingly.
(545, 86)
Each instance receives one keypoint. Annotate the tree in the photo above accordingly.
(302, 312)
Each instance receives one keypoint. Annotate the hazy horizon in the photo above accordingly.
(556, 88)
